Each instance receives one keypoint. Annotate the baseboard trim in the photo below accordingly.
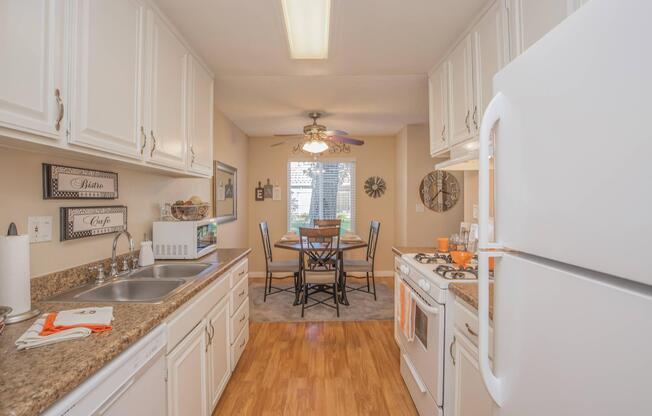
(379, 273)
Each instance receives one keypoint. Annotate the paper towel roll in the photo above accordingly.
(14, 273)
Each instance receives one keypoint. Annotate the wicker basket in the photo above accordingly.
(183, 212)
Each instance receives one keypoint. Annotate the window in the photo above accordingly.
(321, 190)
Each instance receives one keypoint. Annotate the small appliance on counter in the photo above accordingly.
(184, 239)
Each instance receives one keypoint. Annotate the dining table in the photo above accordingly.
(345, 245)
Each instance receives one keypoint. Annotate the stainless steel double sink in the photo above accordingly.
(151, 284)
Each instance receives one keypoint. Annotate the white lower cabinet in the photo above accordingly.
(202, 351)
(187, 380)
(471, 396)
(219, 367)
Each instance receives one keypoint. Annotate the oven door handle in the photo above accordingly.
(423, 305)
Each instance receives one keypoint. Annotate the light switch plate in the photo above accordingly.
(475, 211)
(40, 229)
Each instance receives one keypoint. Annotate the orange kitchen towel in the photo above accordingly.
(407, 306)
(50, 328)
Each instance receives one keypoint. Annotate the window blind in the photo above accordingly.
(321, 190)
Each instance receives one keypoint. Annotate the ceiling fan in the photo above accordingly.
(318, 140)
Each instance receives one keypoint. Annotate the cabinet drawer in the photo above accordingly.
(239, 294)
(184, 320)
(239, 272)
(238, 347)
(239, 320)
(466, 322)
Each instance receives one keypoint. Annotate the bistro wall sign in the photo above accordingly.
(80, 222)
(65, 182)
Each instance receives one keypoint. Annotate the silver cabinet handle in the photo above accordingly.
(212, 331)
(151, 153)
(450, 350)
(192, 152)
(475, 116)
(57, 96)
(243, 318)
(468, 328)
(466, 121)
(208, 343)
(243, 343)
(241, 293)
(443, 133)
(144, 145)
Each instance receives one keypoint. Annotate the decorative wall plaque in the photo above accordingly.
(259, 192)
(375, 186)
(439, 191)
(65, 182)
(80, 222)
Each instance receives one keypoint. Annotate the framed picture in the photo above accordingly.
(225, 193)
(66, 182)
(81, 222)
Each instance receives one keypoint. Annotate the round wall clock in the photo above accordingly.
(439, 191)
(375, 186)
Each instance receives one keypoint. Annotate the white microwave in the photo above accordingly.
(184, 239)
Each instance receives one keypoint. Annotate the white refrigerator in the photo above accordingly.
(572, 124)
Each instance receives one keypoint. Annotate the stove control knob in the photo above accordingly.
(423, 284)
(405, 269)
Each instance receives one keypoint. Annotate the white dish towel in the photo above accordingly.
(32, 339)
(85, 316)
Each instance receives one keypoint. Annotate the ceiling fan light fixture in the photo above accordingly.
(315, 146)
(307, 24)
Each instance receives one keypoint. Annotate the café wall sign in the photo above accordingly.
(80, 222)
(65, 182)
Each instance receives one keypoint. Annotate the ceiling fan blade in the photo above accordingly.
(336, 133)
(347, 140)
(277, 144)
(288, 135)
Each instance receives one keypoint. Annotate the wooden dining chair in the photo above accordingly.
(327, 223)
(320, 268)
(271, 266)
(365, 266)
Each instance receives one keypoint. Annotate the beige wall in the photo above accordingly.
(230, 147)
(141, 192)
(417, 225)
(375, 158)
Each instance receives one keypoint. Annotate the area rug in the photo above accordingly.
(279, 308)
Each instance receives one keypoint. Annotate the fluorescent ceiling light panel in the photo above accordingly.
(307, 23)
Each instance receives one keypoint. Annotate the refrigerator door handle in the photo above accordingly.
(493, 113)
(493, 383)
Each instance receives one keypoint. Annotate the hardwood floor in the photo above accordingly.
(318, 368)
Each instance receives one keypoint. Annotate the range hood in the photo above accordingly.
(463, 158)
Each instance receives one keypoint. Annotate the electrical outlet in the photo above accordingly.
(40, 229)
(475, 211)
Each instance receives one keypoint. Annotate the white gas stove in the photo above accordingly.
(433, 272)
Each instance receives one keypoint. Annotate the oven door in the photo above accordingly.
(426, 350)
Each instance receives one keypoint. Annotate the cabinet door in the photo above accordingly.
(32, 90)
(438, 109)
(168, 71)
(107, 76)
(219, 367)
(471, 396)
(532, 19)
(200, 119)
(460, 65)
(490, 55)
(187, 380)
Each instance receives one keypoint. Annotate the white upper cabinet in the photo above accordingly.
(200, 119)
(32, 82)
(490, 55)
(167, 96)
(530, 20)
(461, 91)
(438, 108)
(107, 76)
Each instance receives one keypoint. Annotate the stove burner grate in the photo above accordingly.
(455, 273)
(437, 258)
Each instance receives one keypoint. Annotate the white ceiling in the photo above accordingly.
(373, 82)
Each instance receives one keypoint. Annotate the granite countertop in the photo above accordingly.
(468, 292)
(32, 380)
(399, 251)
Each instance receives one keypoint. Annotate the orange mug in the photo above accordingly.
(442, 245)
